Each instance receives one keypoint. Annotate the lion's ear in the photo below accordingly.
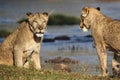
(45, 13)
(29, 14)
(85, 11)
(98, 8)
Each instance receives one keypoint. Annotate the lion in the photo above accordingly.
(23, 45)
(106, 35)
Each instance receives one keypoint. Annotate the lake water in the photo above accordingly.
(79, 47)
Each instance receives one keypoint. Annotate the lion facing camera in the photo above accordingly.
(23, 45)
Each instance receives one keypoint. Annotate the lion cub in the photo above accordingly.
(24, 43)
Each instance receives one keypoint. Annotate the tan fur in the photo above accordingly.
(106, 35)
(23, 43)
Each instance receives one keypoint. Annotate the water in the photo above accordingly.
(79, 47)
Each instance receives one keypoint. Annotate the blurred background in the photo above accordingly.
(60, 39)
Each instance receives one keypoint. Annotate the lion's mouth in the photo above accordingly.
(39, 34)
(84, 29)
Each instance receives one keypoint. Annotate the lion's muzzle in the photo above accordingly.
(39, 34)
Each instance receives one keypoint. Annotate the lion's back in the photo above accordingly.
(111, 34)
(6, 47)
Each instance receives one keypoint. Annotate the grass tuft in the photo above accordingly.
(61, 19)
(4, 33)
(58, 19)
(15, 73)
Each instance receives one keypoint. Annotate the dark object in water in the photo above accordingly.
(63, 37)
(88, 36)
(48, 40)
(62, 60)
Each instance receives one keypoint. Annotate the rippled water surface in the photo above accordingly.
(79, 47)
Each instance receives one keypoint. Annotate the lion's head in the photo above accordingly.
(87, 16)
(37, 23)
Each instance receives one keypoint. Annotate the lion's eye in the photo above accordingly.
(44, 21)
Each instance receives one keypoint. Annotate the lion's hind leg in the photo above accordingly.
(116, 65)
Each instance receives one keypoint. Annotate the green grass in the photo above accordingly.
(55, 19)
(59, 19)
(4, 33)
(15, 73)
(22, 20)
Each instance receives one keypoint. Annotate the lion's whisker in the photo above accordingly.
(51, 11)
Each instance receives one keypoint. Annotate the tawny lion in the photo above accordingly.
(106, 35)
(23, 45)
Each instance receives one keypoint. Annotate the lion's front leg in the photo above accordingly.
(116, 64)
(17, 57)
(32, 57)
(36, 60)
(26, 59)
(103, 58)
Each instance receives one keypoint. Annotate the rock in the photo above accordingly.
(48, 61)
(74, 61)
(62, 67)
(67, 60)
(56, 60)
(63, 37)
(48, 40)
(62, 60)
(88, 36)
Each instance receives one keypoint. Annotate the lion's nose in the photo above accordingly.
(42, 31)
